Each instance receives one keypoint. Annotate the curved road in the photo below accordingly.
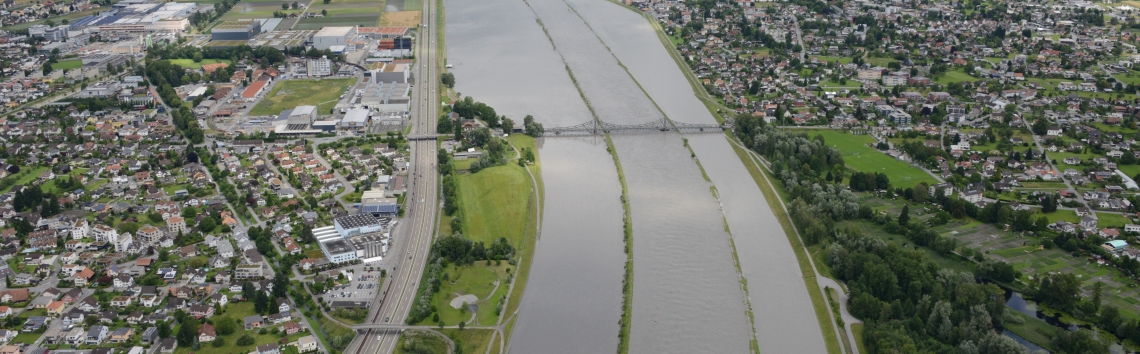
(423, 201)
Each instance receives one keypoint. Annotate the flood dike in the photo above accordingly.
(687, 296)
(573, 300)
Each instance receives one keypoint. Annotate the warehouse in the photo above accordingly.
(355, 119)
(242, 30)
(333, 36)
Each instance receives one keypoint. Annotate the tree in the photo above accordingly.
(508, 125)
(245, 340)
(197, 57)
(324, 12)
(247, 290)
(47, 68)
(284, 6)
(904, 216)
(261, 303)
(188, 332)
(1048, 204)
(207, 224)
(448, 79)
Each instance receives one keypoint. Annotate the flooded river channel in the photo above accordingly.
(687, 295)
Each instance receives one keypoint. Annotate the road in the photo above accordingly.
(423, 202)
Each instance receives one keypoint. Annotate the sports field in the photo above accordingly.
(190, 64)
(68, 64)
(292, 93)
(860, 157)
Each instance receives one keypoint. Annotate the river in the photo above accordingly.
(572, 303)
(782, 307)
(687, 293)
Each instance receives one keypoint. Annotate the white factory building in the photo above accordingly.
(333, 36)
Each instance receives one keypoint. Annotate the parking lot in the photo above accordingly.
(363, 286)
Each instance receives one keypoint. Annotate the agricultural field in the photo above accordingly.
(401, 18)
(257, 10)
(860, 157)
(317, 23)
(344, 13)
(190, 64)
(292, 93)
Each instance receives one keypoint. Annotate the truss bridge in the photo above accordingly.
(593, 127)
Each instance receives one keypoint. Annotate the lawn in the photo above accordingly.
(26, 337)
(288, 94)
(1030, 328)
(190, 64)
(479, 280)
(494, 203)
(881, 61)
(68, 64)
(471, 340)
(1059, 215)
(23, 178)
(841, 60)
(857, 332)
(1105, 219)
(863, 158)
(955, 76)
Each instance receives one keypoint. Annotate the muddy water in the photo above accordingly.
(785, 318)
(572, 302)
(508, 63)
(687, 297)
(614, 96)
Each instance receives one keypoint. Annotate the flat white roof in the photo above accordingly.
(356, 115)
(334, 31)
(302, 110)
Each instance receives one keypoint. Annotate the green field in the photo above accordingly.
(1062, 215)
(288, 94)
(190, 64)
(316, 23)
(471, 340)
(1105, 219)
(26, 175)
(955, 76)
(860, 157)
(494, 203)
(413, 5)
(68, 64)
(479, 280)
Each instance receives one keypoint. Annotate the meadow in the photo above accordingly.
(860, 157)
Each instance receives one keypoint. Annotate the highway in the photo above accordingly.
(418, 227)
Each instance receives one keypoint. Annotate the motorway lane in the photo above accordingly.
(423, 204)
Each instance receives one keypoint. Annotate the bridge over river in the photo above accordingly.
(595, 127)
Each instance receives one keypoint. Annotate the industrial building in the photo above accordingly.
(352, 237)
(140, 18)
(355, 119)
(377, 204)
(333, 245)
(333, 36)
(351, 225)
(320, 67)
(390, 72)
(301, 117)
(241, 30)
